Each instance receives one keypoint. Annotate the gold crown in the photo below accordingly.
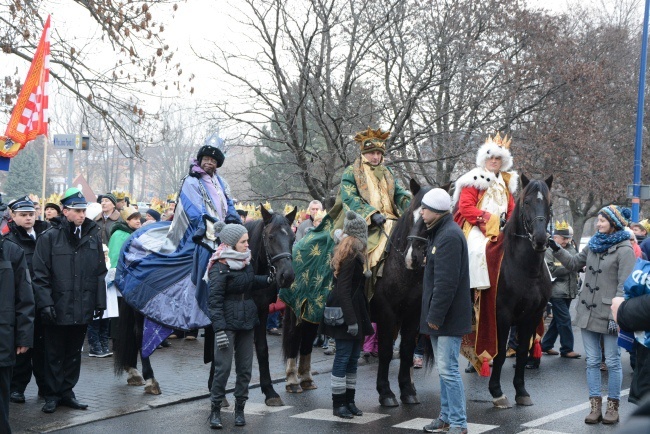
(503, 142)
(288, 208)
(561, 226)
(53, 198)
(320, 214)
(646, 224)
(157, 205)
(371, 140)
(171, 196)
(119, 194)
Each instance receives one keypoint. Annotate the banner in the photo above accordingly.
(29, 117)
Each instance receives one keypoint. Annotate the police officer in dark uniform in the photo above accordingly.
(69, 271)
(16, 318)
(24, 230)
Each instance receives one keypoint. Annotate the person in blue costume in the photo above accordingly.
(161, 267)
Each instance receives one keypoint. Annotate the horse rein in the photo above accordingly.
(528, 224)
(270, 260)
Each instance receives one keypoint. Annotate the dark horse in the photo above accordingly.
(270, 242)
(524, 282)
(396, 304)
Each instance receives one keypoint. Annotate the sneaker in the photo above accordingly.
(106, 350)
(97, 352)
(437, 425)
(457, 430)
(417, 362)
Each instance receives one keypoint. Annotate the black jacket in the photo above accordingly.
(348, 294)
(69, 272)
(633, 315)
(230, 304)
(18, 235)
(446, 295)
(16, 303)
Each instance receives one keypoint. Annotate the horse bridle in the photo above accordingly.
(529, 223)
(270, 260)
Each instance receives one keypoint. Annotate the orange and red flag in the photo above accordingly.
(30, 115)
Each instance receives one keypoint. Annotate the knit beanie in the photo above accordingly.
(231, 233)
(108, 196)
(437, 200)
(153, 213)
(356, 226)
(618, 217)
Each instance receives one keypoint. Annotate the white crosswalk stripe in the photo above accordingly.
(326, 414)
(540, 431)
(418, 423)
(258, 409)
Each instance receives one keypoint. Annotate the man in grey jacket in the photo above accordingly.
(565, 289)
(314, 207)
(446, 306)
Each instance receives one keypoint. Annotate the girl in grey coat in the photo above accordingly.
(608, 259)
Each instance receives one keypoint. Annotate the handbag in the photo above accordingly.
(333, 316)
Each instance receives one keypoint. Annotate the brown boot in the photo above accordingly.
(611, 415)
(596, 414)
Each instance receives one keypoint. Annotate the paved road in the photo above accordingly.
(558, 389)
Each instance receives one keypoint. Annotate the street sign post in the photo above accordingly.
(66, 141)
(644, 191)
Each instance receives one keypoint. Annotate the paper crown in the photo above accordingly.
(119, 195)
(157, 205)
(171, 197)
(561, 226)
(320, 214)
(646, 224)
(503, 142)
(372, 140)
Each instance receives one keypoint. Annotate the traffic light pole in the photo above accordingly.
(638, 141)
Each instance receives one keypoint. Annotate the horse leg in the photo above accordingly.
(498, 398)
(309, 332)
(385, 327)
(409, 332)
(272, 399)
(151, 385)
(525, 331)
(291, 344)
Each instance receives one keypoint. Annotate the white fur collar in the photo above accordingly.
(481, 179)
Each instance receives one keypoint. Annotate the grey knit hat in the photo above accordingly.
(231, 233)
(356, 226)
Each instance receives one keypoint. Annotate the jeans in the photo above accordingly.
(346, 357)
(446, 350)
(560, 325)
(591, 343)
(273, 320)
(98, 333)
(419, 348)
(240, 342)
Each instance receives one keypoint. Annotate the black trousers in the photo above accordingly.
(62, 356)
(28, 362)
(5, 380)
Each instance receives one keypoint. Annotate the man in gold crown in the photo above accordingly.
(484, 201)
(370, 189)
(565, 289)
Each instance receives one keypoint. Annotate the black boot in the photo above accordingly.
(349, 396)
(340, 408)
(215, 416)
(240, 420)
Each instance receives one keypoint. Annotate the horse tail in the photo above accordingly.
(288, 332)
(428, 355)
(127, 341)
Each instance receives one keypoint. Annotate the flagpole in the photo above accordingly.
(45, 143)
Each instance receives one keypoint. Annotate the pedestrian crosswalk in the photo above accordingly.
(326, 414)
(418, 423)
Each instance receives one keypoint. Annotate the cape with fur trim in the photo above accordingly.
(471, 187)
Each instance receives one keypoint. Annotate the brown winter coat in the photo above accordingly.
(603, 280)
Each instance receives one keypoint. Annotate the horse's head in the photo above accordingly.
(278, 238)
(417, 241)
(534, 211)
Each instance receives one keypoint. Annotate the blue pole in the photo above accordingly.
(638, 141)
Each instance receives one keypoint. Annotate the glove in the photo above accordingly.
(222, 340)
(48, 315)
(99, 313)
(553, 245)
(377, 219)
(353, 329)
(612, 327)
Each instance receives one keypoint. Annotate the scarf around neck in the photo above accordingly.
(601, 242)
(229, 256)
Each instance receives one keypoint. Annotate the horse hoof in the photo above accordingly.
(293, 388)
(152, 387)
(276, 401)
(390, 401)
(501, 402)
(134, 377)
(308, 385)
(410, 399)
(523, 400)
